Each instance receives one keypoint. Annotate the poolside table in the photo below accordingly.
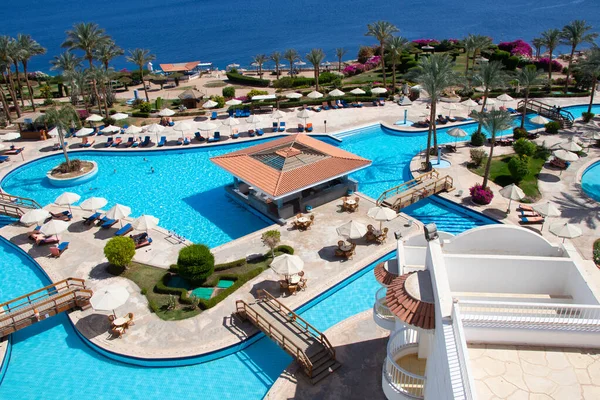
(120, 321)
(302, 220)
(351, 202)
(346, 247)
(294, 279)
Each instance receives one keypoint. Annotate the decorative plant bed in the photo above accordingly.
(86, 172)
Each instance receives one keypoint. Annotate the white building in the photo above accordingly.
(465, 311)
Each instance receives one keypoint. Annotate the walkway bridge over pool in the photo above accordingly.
(15, 206)
(297, 337)
(43, 303)
(416, 189)
(563, 117)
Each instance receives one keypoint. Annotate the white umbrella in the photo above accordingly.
(456, 133)
(565, 155)
(93, 203)
(52, 132)
(229, 122)
(109, 298)
(379, 90)
(286, 264)
(512, 192)
(565, 230)
(119, 116)
(210, 104)
(450, 107)
(357, 91)
(469, 103)
(118, 211)
(111, 129)
(547, 209)
(10, 136)
(381, 214)
(206, 126)
(405, 101)
(183, 126)
(36, 216)
(2, 147)
(144, 223)
(593, 135)
(489, 102)
(539, 120)
(304, 114)
(293, 95)
(504, 98)
(352, 230)
(277, 114)
(570, 145)
(132, 130)
(314, 95)
(154, 128)
(67, 198)
(84, 132)
(166, 112)
(54, 227)
(253, 119)
(94, 118)
(336, 93)
(300, 63)
(233, 102)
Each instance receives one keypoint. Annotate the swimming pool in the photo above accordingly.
(590, 181)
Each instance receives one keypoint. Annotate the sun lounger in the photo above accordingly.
(216, 137)
(316, 108)
(124, 230)
(88, 143)
(213, 116)
(109, 142)
(260, 132)
(235, 133)
(129, 142)
(179, 141)
(163, 141)
(47, 240)
(381, 101)
(56, 251)
(13, 150)
(333, 105)
(145, 142)
(117, 142)
(57, 146)
(251, 132)
(275, 126)
(282, 126)
(63, 216)
(91, 219)
(523, 207)
(136, 142)
(511, 110)
(309, 127)
(143, 243)
(186, 141)
(4, 159)
(325, 105)
(108, 223)
(345, 104)
(531, 220)
(451, 148)
(300, 128)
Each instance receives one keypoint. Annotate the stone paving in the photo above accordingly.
(528, 373)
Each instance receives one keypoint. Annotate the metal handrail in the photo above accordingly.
(69, 282)
(403, 186)
(17, 200)
(446, 180)
(551, 112)
(406, 382)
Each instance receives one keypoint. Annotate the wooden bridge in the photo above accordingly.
(416, 189)
(563, 117)
(292, 333)
(43, 303)
(15, 206)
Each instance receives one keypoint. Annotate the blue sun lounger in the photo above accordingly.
(216, 137)
(213, 116)
(4, 158)
(282, 126)
(146, 141)
(124, 230)
(260, 132)
(163, 141)
(91, 219)
(186, 141)
(275, 126)
(108, 223)
(109, 142)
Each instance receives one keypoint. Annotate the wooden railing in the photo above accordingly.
(411, 196)
(405, 186)
(564, 117)
(16, 206)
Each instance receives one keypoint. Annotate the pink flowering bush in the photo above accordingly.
(353, 69)
(426, 42)
(517, 48)
(542, 63)
(480, 195)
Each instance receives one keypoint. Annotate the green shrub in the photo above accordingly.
(213, 301)
(524, 147)
(233, 264)
(158, 103)
(140, 114)
(327, 77)
(511, 63)
(552, 127)
(145, 107)
(519, 133)
(119, 251)
(195, 263)
(228, 92)
(256, 92)
(284, 249)
(587, 117)
(271, 239)
(247, 80)
(144, 291)
(597, 252)
(477, 139)
(284, 83)
(477, 156)
(364, 53)
(220, 100)
(518, 168)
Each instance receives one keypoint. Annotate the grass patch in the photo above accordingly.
(214, 84)
(597, 252)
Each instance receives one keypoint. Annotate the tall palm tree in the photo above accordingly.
(3, 98)
(340, 52)
(291, 55)
(276, 58)
(538, 43)
(6, 60)
(382, 31)
(494, 121)
(480, 42)
(103, 78)
(469, 44)
(259, 60)
(79, 82)
(527, 77)
(16, 55)
(491, 75)
(574, 34)
(141, 57)
(29, 48)
(67, 62)
(396, 45)
(434, 74)
(316, 57)
(87, 37)
(591, 67)
(550, 40)
(63, 119)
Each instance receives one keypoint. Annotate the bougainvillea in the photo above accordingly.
(517, 48)
(542, 63)
(426, 42)
(353, 69)
(480, 195)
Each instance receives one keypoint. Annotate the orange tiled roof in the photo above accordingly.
(289, 164)
(382, 275)
(179, 66)
(410, 310)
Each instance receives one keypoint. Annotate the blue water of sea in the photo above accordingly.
(235, 30)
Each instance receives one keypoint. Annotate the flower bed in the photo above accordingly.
(480, 195)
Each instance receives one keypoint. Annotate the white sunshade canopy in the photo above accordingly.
(207, 126)
(379, 90)
(67, 198)
(145, 223)
(109, 298)
(166, 112)
(565, 230)
(352, 230)
(94, 118)
(592, 135)
(228, 122)
(210, 104)
(512, 192)
(303, 114)
(154, 128)
(84, 132)
(118, 211)
(457, 133)
(111, 129)
(277, 114)
(52, 132)
(264, 97)
(10, 136)
(287, 264)
(119, 116)
(132, 130)
(469, 103)
(336, 93)
(504, 97)
(357, 91)
(94, 203)
(36, 216)
(183, 126)
(233, 102)
(54, 227)
(299, 63)
(381, 213)
(547, 209)
(405, 101)
(488, 102)
(539, 120)
(565, 155)
(314, 95)
(450, 106)
(253, 119)
(293, 95)
(570, 145)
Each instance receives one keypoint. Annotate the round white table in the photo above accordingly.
(120, 321)
(346, 247)
(294, 279)
(351, 202)
(303, 220)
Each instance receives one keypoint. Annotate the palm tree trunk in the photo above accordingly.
(29, 88)
(19, 91)
(393, 78)
(61, 136)
(434, 111)
(277, 70)
(594, 82)
(485, 94)
(524, 108)
(339, 64)
(5, 105)
(569, 69)
(143, 84)
(13, 94)
(382, 64)
(467, 64)
(550, 69)
(488, 164)
(105, 99)
(291, 68)
(95, 87)
(317, 79)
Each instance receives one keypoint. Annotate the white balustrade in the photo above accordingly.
(403, 342)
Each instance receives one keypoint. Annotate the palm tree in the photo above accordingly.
(538, 43)
(6, 60)
(259, 60)
(63, 119)
(480, 42)
(550, 40)
(29, 48)
(574, 34)
(494, 121)
(382, 31)
(103, 78)
(79, 81)
(16, 55)
(67, 62)
(87, 37)
(396, 45)
(340, 52)
(591, 67)
(434, 74)
(469, 44)
(527, 77)
(3, 98)
(490, 76)
(316, 57)
(291, 55)
(107, 52)
(276, 58)
(141, 57)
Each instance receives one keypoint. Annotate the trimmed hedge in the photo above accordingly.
(247, 80)
(138, 114)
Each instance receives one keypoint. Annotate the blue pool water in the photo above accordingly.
(590, 181)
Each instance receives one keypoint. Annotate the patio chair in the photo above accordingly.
(325, 105)
(300, 128)
(283, 286)
(162, 142)
(213, 116)
(282, 126)
(260, 132)
(370, 235)
(145, 142)
(383, 237)
(275, 126)
(381, 101)
(129, 316)
(333, 105)
(109, 142)
(117, 331)
(309, 127)
(56, 251)
(186, 141)
(235, 133)
(129, 142)
(124, 230)
(117, 142)
(111, 320)
(91, 219)
(251, 132)
(216, 137)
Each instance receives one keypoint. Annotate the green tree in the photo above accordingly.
(271, 239)
(68, 62)
(28, 48)
(591, 67)
(63, 119)
(550, 40)
(573, 34)
(103, 78)
(291, 55)
(490, 76)
(195, 263)
(107, 52)
(518, 168)
(524, 147)
(316, 57)
(469, 45)
(6, 60)
(435, 74)
(340, 52)
(119, 251)
(16, 55)
(259, 61)
(276, 58)
(382, 31)
(141, 57)
(475, 43)
(396, 45)
(527, 77)
(537, 43)
(80, 80)
(494, 121)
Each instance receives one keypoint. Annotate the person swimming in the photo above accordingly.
(152, 169)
